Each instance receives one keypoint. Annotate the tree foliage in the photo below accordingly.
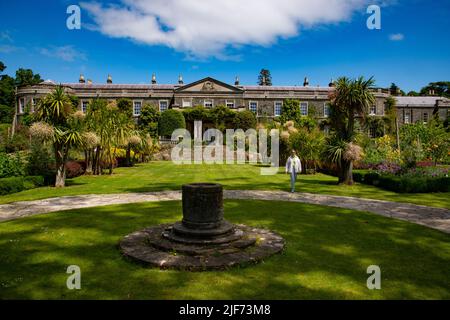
(169, 121)
(265, 78)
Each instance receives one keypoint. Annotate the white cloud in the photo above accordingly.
(67, 53)
(209, 28)
(396, 37)
(6, 48)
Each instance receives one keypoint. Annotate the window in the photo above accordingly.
(84, 106)
(304, 108)
(326, 110)
(278, 106)
(253, 106)
(373, 110)
(373, 132)
(208, 103)
(425, 117)
(163, 105)
(137, 108)
(407, 118)
(186, 103)
(22, 105)
(230, 104)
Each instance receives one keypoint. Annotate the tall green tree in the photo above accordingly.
(56, 112)
(26, 77)
(265, 78)
(349, 100)
(7, 96)
(440, 88)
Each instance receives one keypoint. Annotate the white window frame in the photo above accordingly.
(227, 102)
(275, 108)
(208, 100)
(425, 121)
(373, 110)
(87, 104)
(134, 108)
(307, 108)
(326, 106)
(188, 103)
(167, 105)
(250, 108)
(21, 105)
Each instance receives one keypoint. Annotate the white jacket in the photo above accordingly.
(293, 164)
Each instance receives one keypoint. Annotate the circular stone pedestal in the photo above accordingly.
(150, 247)
(203, 240)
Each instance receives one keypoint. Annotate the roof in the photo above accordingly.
(418, 101)
(119, 86)
(286, 88)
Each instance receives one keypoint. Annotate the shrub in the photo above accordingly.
(17, 184)
(148, 121)
(40, 161)
(406, 183)
(245, 120)
(11, 166)
(73, 169)
(169, 121)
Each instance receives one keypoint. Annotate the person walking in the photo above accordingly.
(293, 167)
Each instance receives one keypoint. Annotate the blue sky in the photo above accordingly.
(131, 40)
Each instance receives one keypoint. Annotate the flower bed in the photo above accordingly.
(417, 180)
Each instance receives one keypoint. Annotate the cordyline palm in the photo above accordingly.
(350, 99)
(56, 110)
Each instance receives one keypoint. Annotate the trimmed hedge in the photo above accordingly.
(169, 121)
(17, 184)
(403, 184)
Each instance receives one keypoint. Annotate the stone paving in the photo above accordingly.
(436, 218)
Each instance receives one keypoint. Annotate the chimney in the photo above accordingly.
(109, 80)
(89, 81)
(153, 79)
(81, 80)
(236, 82)
(306, 82)
(180, 79)
(264, 81)
(331, 84)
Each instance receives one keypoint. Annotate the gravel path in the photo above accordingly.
(436, 218)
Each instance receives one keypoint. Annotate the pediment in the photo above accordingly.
(208, 85)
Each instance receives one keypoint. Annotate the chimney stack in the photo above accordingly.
(306, 82)
(89, 81)
(331, 84)
(81, 80)
(153, 79)
(109, 80)
(236, 82)
(180, 79)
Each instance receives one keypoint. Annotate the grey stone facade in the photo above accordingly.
(210, 93)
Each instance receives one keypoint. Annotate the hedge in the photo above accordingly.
(169, 121)
(403, 184)
(17, 184)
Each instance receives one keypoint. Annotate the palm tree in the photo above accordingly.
(56, 110)
(349, 100)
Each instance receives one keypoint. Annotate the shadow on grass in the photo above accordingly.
(327, 253)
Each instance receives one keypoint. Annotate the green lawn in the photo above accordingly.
(326, 256)
(156, 176)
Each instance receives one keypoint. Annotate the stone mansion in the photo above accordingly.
(264, 101)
